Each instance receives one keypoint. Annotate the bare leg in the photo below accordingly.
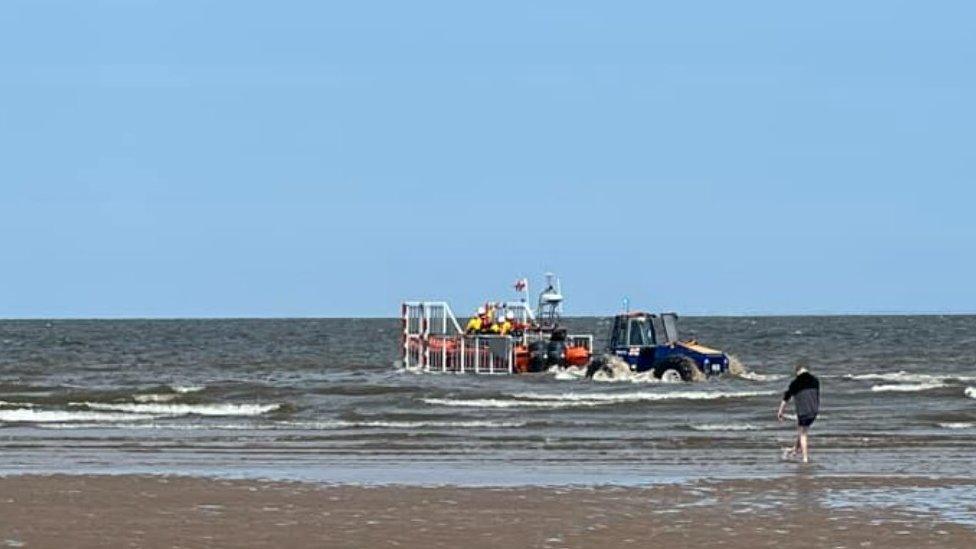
(793, 451)
(802, 441)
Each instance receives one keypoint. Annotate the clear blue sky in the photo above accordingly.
(195, 158)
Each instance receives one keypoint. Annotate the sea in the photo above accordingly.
(326, 400)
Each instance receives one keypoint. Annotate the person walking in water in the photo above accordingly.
(805, 392)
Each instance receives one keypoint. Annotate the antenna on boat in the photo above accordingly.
(551, 301)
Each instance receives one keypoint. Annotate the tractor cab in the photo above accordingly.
(650, 342)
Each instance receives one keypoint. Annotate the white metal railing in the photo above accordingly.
(577, 340)
(434, 341)
(477, 354)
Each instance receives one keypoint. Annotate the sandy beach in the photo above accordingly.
(803, 511)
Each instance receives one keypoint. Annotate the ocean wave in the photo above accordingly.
(909, 377)
(957, 425)
(725, 427)
(971, 392)
(639, 396)
(571, 373)
(5, 404)
(151, 424)
(572, 400)
(31, 415)
(907, 387)
(753, 376)
(422, 424)
(184, 389)
(183, 409)
(503, 403)
(154, 398)
(629, 377)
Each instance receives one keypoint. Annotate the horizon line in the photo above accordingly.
(366, 317)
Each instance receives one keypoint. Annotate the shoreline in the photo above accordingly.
(395, 478)
(190, 511)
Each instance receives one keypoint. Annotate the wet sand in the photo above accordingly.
(800, 511)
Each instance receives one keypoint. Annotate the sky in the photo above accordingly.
(318, 159)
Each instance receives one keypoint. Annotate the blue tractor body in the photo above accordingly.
(650, 342)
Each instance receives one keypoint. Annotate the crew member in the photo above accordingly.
(502, 326)
(476, 323)
(487, 325)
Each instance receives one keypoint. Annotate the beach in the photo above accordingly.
(801, 511)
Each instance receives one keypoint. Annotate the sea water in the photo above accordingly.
(321, 399)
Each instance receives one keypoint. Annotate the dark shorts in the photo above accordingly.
(806, 421)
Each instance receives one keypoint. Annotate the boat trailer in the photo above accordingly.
(433, 340)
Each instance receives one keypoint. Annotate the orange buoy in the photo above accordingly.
(577, 356)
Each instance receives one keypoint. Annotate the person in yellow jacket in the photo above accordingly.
(476, 324)
(503, 326)
(487, 321)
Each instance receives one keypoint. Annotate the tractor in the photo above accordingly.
(648, 342)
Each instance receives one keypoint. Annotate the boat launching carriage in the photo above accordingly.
(434, 341)
(535, 341)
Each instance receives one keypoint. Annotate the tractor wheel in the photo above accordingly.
(596, 365)
(537, 356)
(677, 368)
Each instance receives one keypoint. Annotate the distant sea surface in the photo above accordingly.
(322, 400)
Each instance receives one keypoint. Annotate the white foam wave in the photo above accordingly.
(639, 396)
(183, 409)
(184, 389)
(910, 377)
(616, 370)
(725, 427)
(571, 373)
(29, 415)
(151, 423)
(971, 392)
(154, 398)
(474, 424)
(957, 425)
(4, 403)
(907, 387)
(629, 377)
(568, 400)
(753, 376)
(617, 375)
(502, 403)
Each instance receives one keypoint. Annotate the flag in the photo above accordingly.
(521, 284)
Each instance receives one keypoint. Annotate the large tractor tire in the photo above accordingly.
(556, 353)
(677, 368)
(596, 365)
(609, 366)
(537, 356)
